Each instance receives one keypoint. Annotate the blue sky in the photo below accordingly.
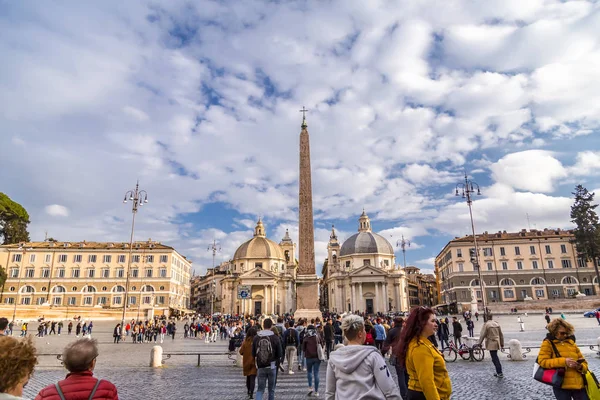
(199, 101)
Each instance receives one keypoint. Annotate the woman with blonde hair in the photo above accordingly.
(356, 371)
(559, 350)
(17, 360)
(426, 368)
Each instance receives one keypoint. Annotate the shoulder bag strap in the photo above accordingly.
(556, 353)
(94, 390)
(60, 393)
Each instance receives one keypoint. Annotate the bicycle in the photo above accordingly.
(451, 352)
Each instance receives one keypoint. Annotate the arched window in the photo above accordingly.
(118, 288)
(28, 289)
(147, 288)
(474, 282)
(569, 280)
(89, 289)
(537, 281)
(59, 289)
(507, 282)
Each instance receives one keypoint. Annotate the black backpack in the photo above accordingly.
(291, 337)
(264, 351)
(302, 334)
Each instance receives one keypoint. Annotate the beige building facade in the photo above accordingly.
(361, 274)
(93, 274)
(515, 266)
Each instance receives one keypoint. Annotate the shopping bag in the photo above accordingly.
(591, 386)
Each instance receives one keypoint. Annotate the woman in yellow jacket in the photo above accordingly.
(426, 368)
(561, 333)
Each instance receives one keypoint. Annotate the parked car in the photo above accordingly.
(591, 314)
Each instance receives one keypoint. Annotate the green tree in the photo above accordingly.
(587, 231)
(13, 221)
(3, 277)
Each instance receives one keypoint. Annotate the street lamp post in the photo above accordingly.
(138, 198)
(467, 189)
(403, 243)
(215, 249)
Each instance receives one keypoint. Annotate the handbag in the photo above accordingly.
(591, 386)
(549, 376)
(320, 352)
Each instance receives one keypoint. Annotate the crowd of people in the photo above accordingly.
(354, 347)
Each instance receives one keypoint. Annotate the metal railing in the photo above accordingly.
(527, 349)
(230, 355)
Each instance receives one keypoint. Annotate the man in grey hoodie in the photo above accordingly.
(356, 371)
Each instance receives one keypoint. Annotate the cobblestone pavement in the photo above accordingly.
(126, 365)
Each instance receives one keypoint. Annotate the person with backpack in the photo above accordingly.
(328, 335)
(337, 330)
(471, 327)
(369, 340)
(312, 340)
(79, 357)
(291, 338)
(266, 349)
(301, 329)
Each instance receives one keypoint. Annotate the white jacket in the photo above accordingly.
(359, 372)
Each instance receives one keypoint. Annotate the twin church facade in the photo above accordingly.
(359, 274)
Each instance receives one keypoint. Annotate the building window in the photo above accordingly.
(537, 281)
(550, 264)
(134, 273)
(509, 294)
(75, 273)
(91, 273)
(566, 263)
(459, 253)
(106, 258)
(150, 259)
(40, 301)
(487, 251)
(532, 250)
(45, 272)
(568, 280)
(385, 263)
(502, 251)
(132, 299)
(101, 300)
(563, 248)
(32, 258)
(161, 299)
(77, 258)
(120, 273)
(61, 272)
(57, 301)
(490, 266)
(117, 300)
(87, 301)
(571, 292)
(504, 265)
(105, 273)
(366, 261)
(26, 300)
(163, 272)
(62, 258)
(163, 259)
(517, 251)
(121, 259)
(581, 263)
(460, 267)
(347, 264)
(149, 273)
(29, 272)
(47, 258)
(14, 272)
(92, 258)
(72, 301)
(555, 292)
(16, 257)
(135, 258)
(534, 264)
(539, 293)
(519, 265)
(548, 250)
(257, 265)
(9, 300)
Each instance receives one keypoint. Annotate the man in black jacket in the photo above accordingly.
(328, 333)
(267, 350)
(457, 331)
(337, 330)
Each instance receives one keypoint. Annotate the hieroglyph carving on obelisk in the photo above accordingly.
(306, 247)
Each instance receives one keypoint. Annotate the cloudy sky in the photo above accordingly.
(199, 101)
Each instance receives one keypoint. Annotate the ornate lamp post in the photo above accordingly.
(138, 199)
(467, 189)
(403, 243)
(215, 249)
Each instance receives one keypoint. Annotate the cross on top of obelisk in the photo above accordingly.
(304, 111)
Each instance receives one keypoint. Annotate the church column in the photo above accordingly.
(352, 301)
(377, 297)
(361, 300)
(396, 298)
(274, 298)
(265, 300)
(386, 303)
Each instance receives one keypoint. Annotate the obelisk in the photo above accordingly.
(307, 282)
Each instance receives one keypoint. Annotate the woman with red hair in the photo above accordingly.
(428, 377)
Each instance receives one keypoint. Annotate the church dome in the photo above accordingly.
(365, 241)
(259, 246)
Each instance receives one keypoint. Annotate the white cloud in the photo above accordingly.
(534, 170)
(56, 210)
(588, 163)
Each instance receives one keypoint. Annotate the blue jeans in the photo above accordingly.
(264, 375)
(301, 359)
(313, 365)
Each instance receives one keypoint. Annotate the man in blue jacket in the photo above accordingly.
(379, 334)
